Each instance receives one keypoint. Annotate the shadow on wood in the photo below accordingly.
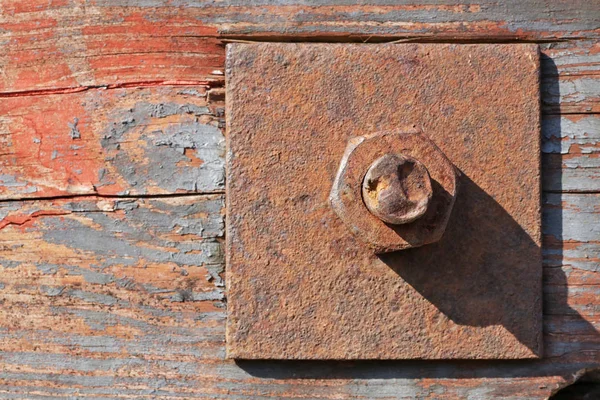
(478, 310)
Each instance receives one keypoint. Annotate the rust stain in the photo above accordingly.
(301, 285)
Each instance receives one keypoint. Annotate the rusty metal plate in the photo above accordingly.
(301, 285)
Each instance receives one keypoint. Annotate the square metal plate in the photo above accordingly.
(300, 285)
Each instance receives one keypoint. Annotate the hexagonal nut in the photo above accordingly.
(346, 193)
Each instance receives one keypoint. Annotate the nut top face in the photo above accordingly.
(394, 190)
(397, 189)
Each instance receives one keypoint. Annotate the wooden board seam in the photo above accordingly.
(125, 85)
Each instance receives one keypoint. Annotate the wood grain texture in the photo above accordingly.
(82, 43)
(108, 141)
(570, 77)
(169, 139)
(155, 140)
(108, 296)
(123, 297)
(570, 153)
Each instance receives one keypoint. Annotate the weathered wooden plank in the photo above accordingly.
(571, 134)
(571, 337)
(531, 19)
(157, 140)
(571, 249)
(571, 94)
(123, 297)
(318, 18)
(580, 57)
(154, 126)
(398, 382)
(133, 244)
(60, 44)
(92, 286)
(570, 77)
(571, 149)
(165, 139)
(573, 263)
(571, 173)
(63, 166)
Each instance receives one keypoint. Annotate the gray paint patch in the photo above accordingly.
(166, 149)
(9, 264)
(188, 295)
(16, 186)
(560, 133)
(10, 181)
(7, 208)
(163, 110)
(52, 291)
(91, 276)
(95, 298)
(127, 205)
(74, 130)
(191, 92)
(125, 241)
(214, 274)
(48, 269)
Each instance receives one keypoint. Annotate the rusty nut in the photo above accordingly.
(394, 190)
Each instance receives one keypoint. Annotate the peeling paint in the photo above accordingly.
(74, 130)
(185, 295)
(166, 148)
(11, 181)
(52, 291)
(117, 243)
(561, 133)
(9, 264)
